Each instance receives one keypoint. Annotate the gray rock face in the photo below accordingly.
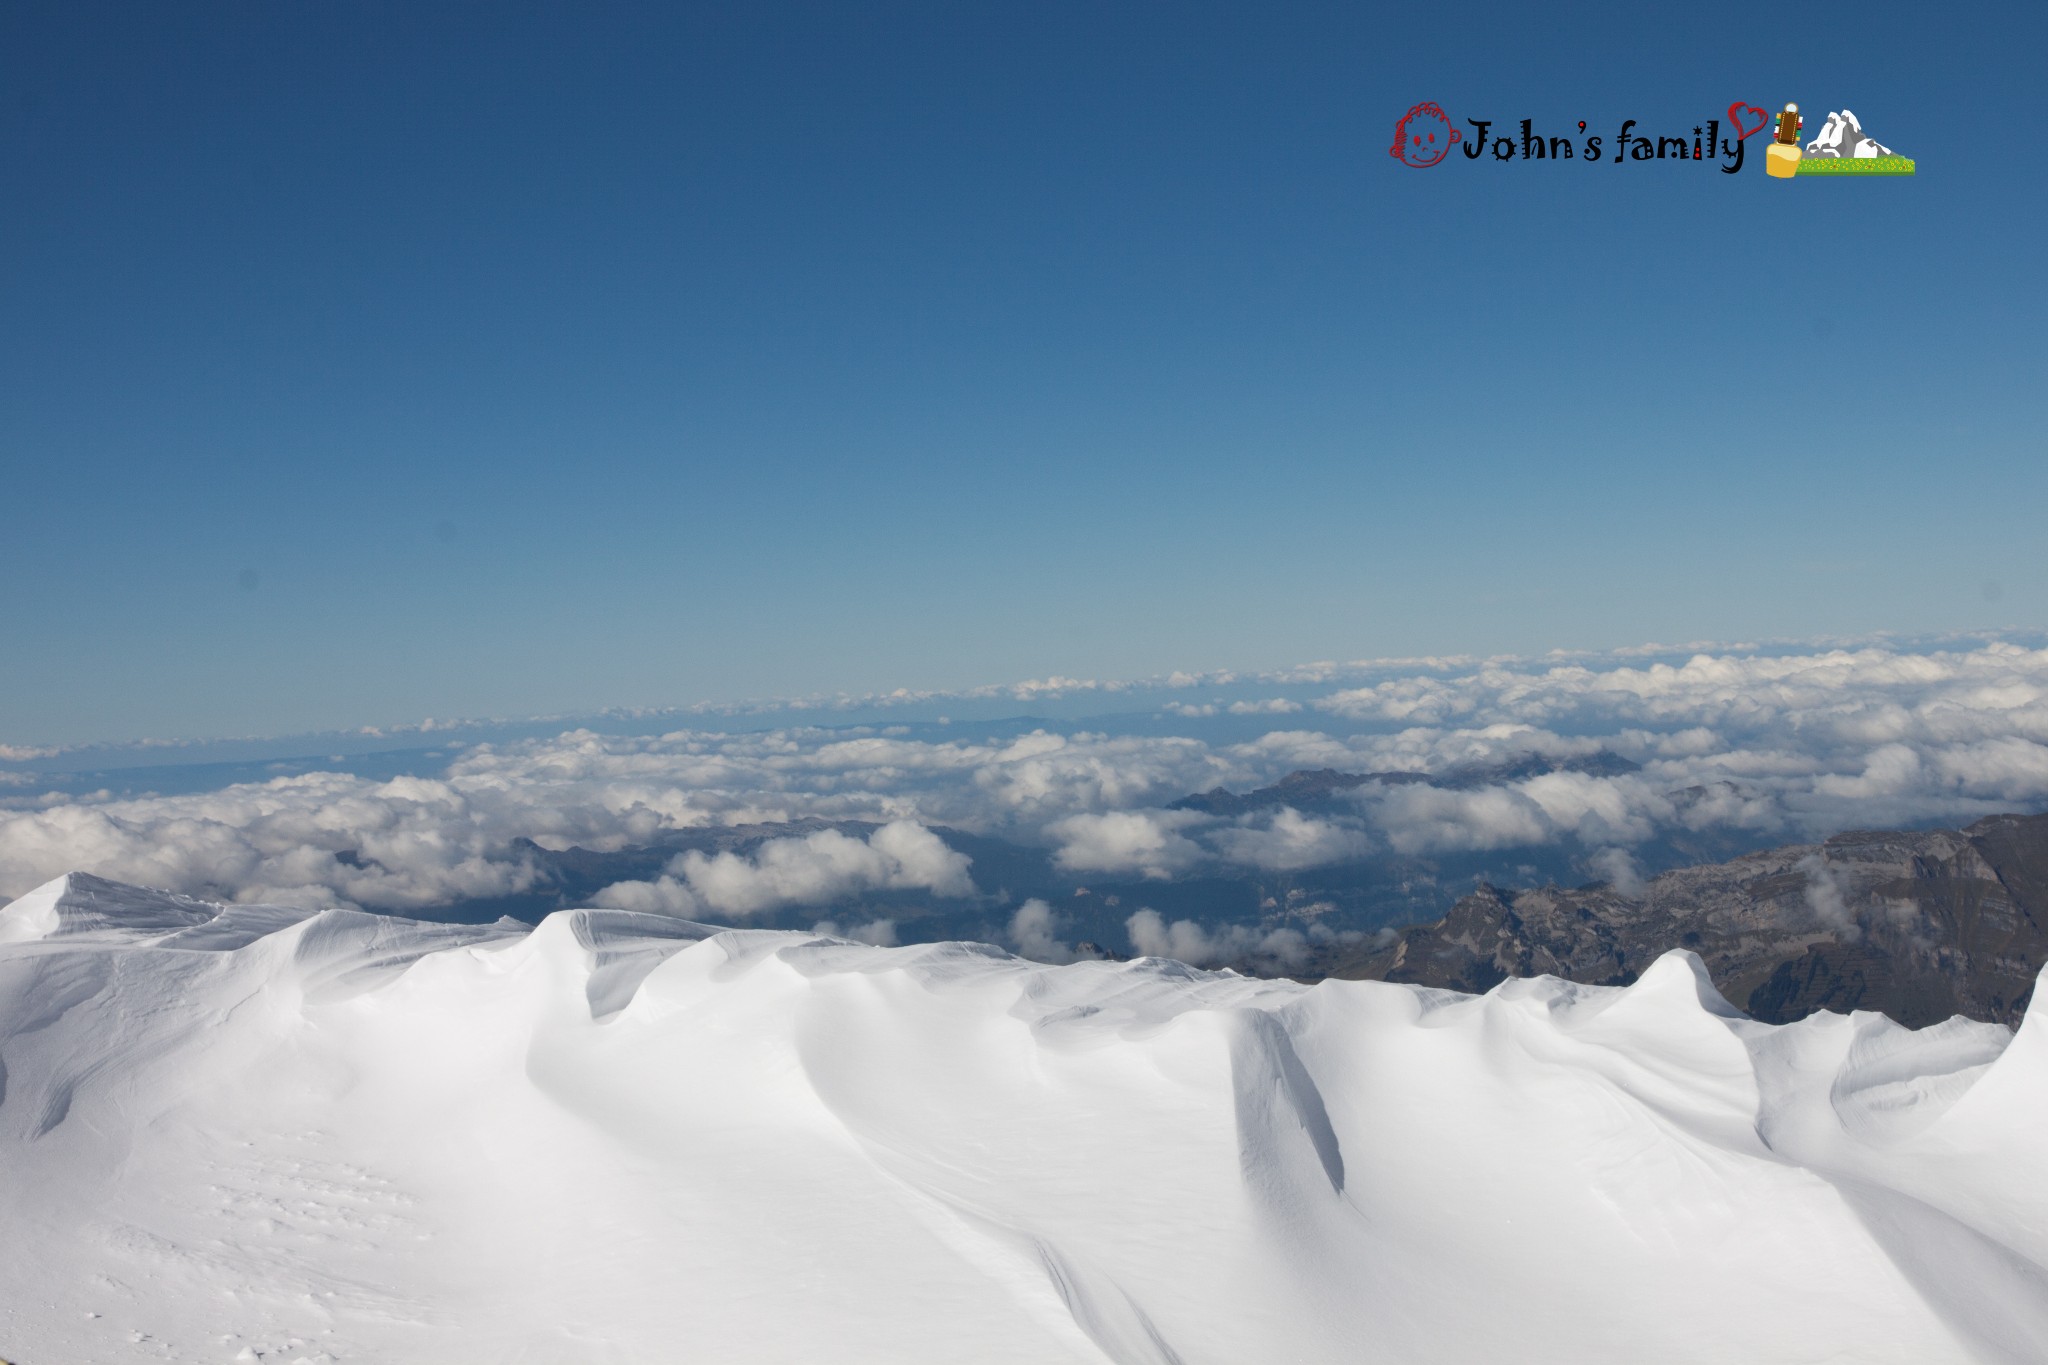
(1919, 925)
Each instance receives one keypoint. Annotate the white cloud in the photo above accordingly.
(1863, 696)
(1824, 898)
(1619, 870)
(1774, 746)
(1621, 810)
(879, 932)
(1289, 841)
(1888, 770)
(1185, 941)
(812, 869)
(1271, 706)
(1418, 819)
(1046, 775)
(1146, 842)
(322, 839)
(662, 896)
(2006, 769)
(1035, 931)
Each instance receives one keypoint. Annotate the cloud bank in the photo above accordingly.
(1771, 747)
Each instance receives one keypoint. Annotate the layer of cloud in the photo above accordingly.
(1773, 747)
(337, 839)
(320, 840)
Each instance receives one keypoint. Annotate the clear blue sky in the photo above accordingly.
(538, 359)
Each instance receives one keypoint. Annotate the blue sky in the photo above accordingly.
(539, 360)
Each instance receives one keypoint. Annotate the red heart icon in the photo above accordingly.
(1735, 113)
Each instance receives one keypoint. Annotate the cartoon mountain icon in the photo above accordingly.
(1842, 135)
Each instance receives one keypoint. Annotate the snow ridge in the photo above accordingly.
(259, 1133)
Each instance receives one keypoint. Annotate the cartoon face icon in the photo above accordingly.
(1424, 136)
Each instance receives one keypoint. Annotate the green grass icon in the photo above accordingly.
(1855, 165)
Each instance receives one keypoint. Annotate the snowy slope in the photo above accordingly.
(259, 1133)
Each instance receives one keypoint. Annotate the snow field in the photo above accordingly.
(255, 1133)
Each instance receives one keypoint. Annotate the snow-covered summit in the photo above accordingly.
(80, 903)
(257, 1133)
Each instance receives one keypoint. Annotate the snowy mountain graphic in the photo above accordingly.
(1842, 135)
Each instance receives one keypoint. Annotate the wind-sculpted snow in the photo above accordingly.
(263, 1134)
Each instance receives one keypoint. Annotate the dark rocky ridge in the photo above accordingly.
(1919, 925)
